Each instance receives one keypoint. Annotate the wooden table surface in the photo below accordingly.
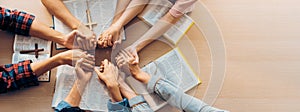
(251, 45)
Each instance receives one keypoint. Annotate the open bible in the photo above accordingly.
(157, 9)
(102, 12)
(173, 61)
(94, 98)
(100, 17)
(22, 43)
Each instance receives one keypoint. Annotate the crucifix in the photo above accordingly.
(36, 50)
(89, 19)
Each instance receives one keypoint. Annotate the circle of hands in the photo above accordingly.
(83, 44)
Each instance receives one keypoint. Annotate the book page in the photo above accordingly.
(28, 43)
(20, 57)
(175, 33)
(157, 9)
(166, 66)
(94, 98)
(101, 12)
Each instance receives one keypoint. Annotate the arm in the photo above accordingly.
(158, 29)
(83, 69)
(162, 25)
(69, 57)
(133, 9)
(137, 103)
(59, 10)
(25, 24)
(109, 77)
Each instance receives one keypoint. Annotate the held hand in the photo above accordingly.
(84, 68)
(76, 39)
(133, 51)
(108, 73)
(110, 36)
(86, 42)
(127, 59)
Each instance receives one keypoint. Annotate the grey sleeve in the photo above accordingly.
(139, 104)
(176, 97)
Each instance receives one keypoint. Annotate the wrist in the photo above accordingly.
(112, 85)
(59, 59)
(118, 26)
(143, 77)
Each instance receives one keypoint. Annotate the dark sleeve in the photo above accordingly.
(14, 76)
(15, 21)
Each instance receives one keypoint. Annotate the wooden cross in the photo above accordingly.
(88, 14)
(36, 51)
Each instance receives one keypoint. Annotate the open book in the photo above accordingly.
(94, 98)
(157, 9)
(28, 43)
(101, 12)
(172, 61)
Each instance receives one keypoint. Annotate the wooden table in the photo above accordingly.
(260, 58)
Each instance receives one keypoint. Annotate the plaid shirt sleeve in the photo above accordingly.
(14, 76)
(18, 22)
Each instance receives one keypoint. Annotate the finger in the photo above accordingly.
(79, 42)
(116, 43)
(105, 63)
(105, 43)
(100, 40)
(125, 55)
(92, 43)
(119, 59)
(100, 75)
(87, 67)
(79, 34)
(109, 40)
(78, 63)
(120, 63)
(136, 60)
(82, 43)
(90, 57)
(129, 54)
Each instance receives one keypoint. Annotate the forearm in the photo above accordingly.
(43, 31)
(43, 66)
(60, 11)
(157, 30)
(74, 96)
(126, 91)
(114, 92)
(123, 16)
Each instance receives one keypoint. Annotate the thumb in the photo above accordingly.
(136, 61)
(100, 75)
(116, 44)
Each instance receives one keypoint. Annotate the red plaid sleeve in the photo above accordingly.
(14, 76)
(15, 21)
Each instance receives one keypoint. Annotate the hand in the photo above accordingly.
(108, 73)
(70, 57)
(84, 68)
(110, 37)
(75, 39)
(127, 60)
(133, 51)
